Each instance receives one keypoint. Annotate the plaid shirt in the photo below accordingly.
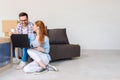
(19, 28)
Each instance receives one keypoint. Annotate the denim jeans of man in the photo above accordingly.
(24, 56)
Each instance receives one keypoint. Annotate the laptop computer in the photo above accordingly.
(20, 40)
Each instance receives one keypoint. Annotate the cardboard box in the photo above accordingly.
(7, 25)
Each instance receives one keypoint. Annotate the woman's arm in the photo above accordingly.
(46, 46)
(40, 49)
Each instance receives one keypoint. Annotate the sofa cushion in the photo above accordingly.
(64, 51)
(58, 36)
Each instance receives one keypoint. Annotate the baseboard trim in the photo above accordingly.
(6, 67)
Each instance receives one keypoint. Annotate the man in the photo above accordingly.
(23, 27)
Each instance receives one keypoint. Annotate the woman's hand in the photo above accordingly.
(39, 49)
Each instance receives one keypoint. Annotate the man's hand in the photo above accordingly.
(15, 32)
(10, 33)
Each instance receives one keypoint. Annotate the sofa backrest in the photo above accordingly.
(58, 36)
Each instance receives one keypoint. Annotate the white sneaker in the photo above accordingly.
(52, 68)
(21, 65)
(16, 60)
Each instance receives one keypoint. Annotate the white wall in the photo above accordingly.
(94, 24)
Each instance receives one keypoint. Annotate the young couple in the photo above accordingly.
(40, 45)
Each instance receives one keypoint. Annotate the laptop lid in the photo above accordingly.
(20, 40)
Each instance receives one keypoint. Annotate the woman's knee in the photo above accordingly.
(29, 51)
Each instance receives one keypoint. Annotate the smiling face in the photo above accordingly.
(23, 20)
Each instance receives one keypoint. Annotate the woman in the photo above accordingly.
(40, 51)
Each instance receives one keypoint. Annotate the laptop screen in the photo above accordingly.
(20, 40)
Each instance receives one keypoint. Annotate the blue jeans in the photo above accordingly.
(24, 54)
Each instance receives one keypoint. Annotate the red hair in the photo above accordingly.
(43, 31)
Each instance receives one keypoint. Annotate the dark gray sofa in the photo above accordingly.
(59, 45)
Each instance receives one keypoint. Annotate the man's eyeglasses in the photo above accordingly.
(23, 20)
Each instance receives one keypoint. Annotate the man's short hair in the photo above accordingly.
(23, 14)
